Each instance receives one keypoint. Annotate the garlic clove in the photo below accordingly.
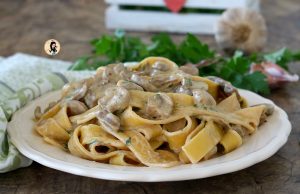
(275, 74)
(241, 29)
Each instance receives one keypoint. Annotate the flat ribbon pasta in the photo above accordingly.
(88, 150)
(177, 137)
(50, 129)
(203, 142)
(230, 141)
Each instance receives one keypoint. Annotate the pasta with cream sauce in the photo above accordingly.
(151, 113)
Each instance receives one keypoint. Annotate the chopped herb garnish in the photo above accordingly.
(93, 141)
(128, 141)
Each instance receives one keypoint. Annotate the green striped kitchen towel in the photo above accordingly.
(23, 78)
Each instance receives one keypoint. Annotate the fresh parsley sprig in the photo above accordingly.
(121, 48)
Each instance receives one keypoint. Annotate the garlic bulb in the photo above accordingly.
(241, 29)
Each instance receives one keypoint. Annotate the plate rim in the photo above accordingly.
(110, 174)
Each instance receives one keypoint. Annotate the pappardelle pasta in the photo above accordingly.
(151, 113)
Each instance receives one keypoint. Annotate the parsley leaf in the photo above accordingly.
(282, 57)
(256, 82)
(235, 70)
(193, 50)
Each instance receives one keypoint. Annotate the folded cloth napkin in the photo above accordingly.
(23, 78)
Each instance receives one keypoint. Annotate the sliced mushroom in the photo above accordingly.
(165, 81)
(75, 107)
(226, 87)
(96, 91)
(190, 69)
(109, 73)
(159, 65)
(159, 106)
(115, 99)
(121, 72)
(145, 83)
(158, 68)
(203, 98)
(108, 120)
(129, 85)
(125, 75)
(185, 87)
(119, 67)
(75, 90)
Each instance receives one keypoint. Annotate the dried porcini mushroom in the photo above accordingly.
(159, 106)
(241, 29)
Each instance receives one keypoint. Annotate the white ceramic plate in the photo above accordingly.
(260, 146)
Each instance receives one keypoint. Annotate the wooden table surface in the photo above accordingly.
(24, 27)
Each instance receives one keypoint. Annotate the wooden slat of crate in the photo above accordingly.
(211, 4)
(160, 21)
(156, 21)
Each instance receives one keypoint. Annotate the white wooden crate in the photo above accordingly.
(140, 20)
